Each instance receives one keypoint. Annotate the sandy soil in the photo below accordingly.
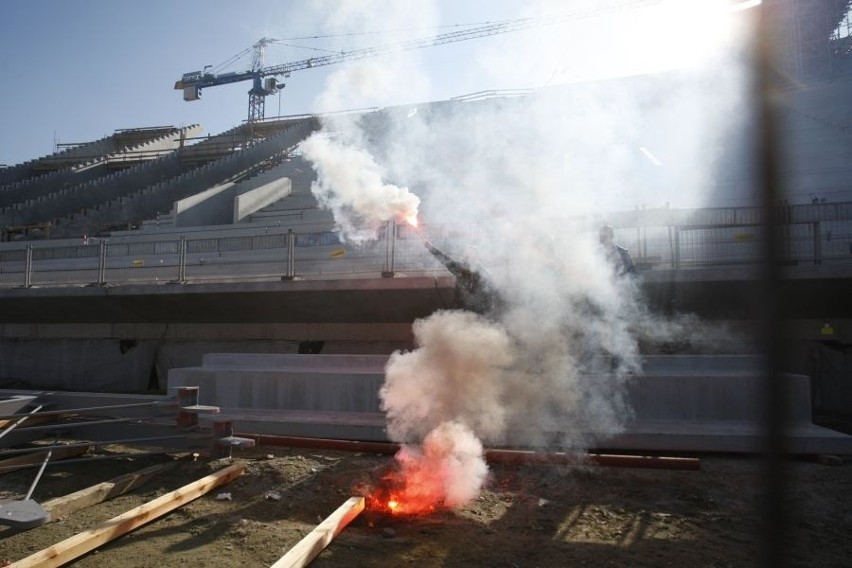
(527, 516)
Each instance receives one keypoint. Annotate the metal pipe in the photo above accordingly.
(494, 456)
(158, 403)
(61, 425)
(38, 475)
(89, 459)
(21, 451)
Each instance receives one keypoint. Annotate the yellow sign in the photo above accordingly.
(339, 253)
(138, 263)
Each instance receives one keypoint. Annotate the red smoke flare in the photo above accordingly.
(405, 487)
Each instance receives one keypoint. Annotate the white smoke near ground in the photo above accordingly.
(456, 373)
(448, 467)
(528, 180)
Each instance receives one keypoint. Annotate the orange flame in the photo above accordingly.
(405, 490)
(412, 220)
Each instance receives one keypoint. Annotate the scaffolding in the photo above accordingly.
(816, 43)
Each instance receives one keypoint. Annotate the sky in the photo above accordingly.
(77, 70)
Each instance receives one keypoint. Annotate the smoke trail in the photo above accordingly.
(350, 185)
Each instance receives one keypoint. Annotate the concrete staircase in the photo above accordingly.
(684, 403)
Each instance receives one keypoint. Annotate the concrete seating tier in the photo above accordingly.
(61, 181)
(683, 403)
(145, 203)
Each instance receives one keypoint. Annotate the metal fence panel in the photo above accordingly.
(720, 236)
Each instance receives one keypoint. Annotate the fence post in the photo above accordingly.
(291, 256)
(676, 255)
(182, 259)
(28, 268)
(102, 254)
(817, 243)
(390, 245)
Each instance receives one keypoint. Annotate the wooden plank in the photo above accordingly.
(61, 507)
(35, 420)
(86, 541)
(315, 541)
(25, 460)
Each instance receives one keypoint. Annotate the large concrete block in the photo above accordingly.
(729, 396)
(689, 403)
(283, 390)
(314, 363)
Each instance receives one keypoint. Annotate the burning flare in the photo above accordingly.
(446, 472)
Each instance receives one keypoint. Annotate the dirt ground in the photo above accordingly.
(528, 515)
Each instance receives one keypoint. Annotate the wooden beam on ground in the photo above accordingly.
(86, 541)
(35, 420)
(61, 507)
(315, 541)
(27, 460)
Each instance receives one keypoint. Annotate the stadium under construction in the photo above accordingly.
(164, 256)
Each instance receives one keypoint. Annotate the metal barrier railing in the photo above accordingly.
(322, 255)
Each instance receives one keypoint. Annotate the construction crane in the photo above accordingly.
(265, 82)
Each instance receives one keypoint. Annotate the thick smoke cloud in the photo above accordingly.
(456, 373)
(527, 180)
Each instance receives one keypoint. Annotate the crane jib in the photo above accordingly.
(193, 82)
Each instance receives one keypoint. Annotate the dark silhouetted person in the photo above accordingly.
(617, 255)
(473, 290)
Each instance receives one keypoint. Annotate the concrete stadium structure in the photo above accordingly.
(169, 251)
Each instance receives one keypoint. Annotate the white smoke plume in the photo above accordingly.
(528, 181)
(350, 185)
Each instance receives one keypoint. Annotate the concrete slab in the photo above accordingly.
(362, 426)
(714, 397)
(701, 364)
(315, 363)
(688, 404)
(351, 390)
(722, 436)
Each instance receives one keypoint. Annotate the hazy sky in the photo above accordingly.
(76, 70)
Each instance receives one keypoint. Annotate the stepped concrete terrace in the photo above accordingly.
(681, 403)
